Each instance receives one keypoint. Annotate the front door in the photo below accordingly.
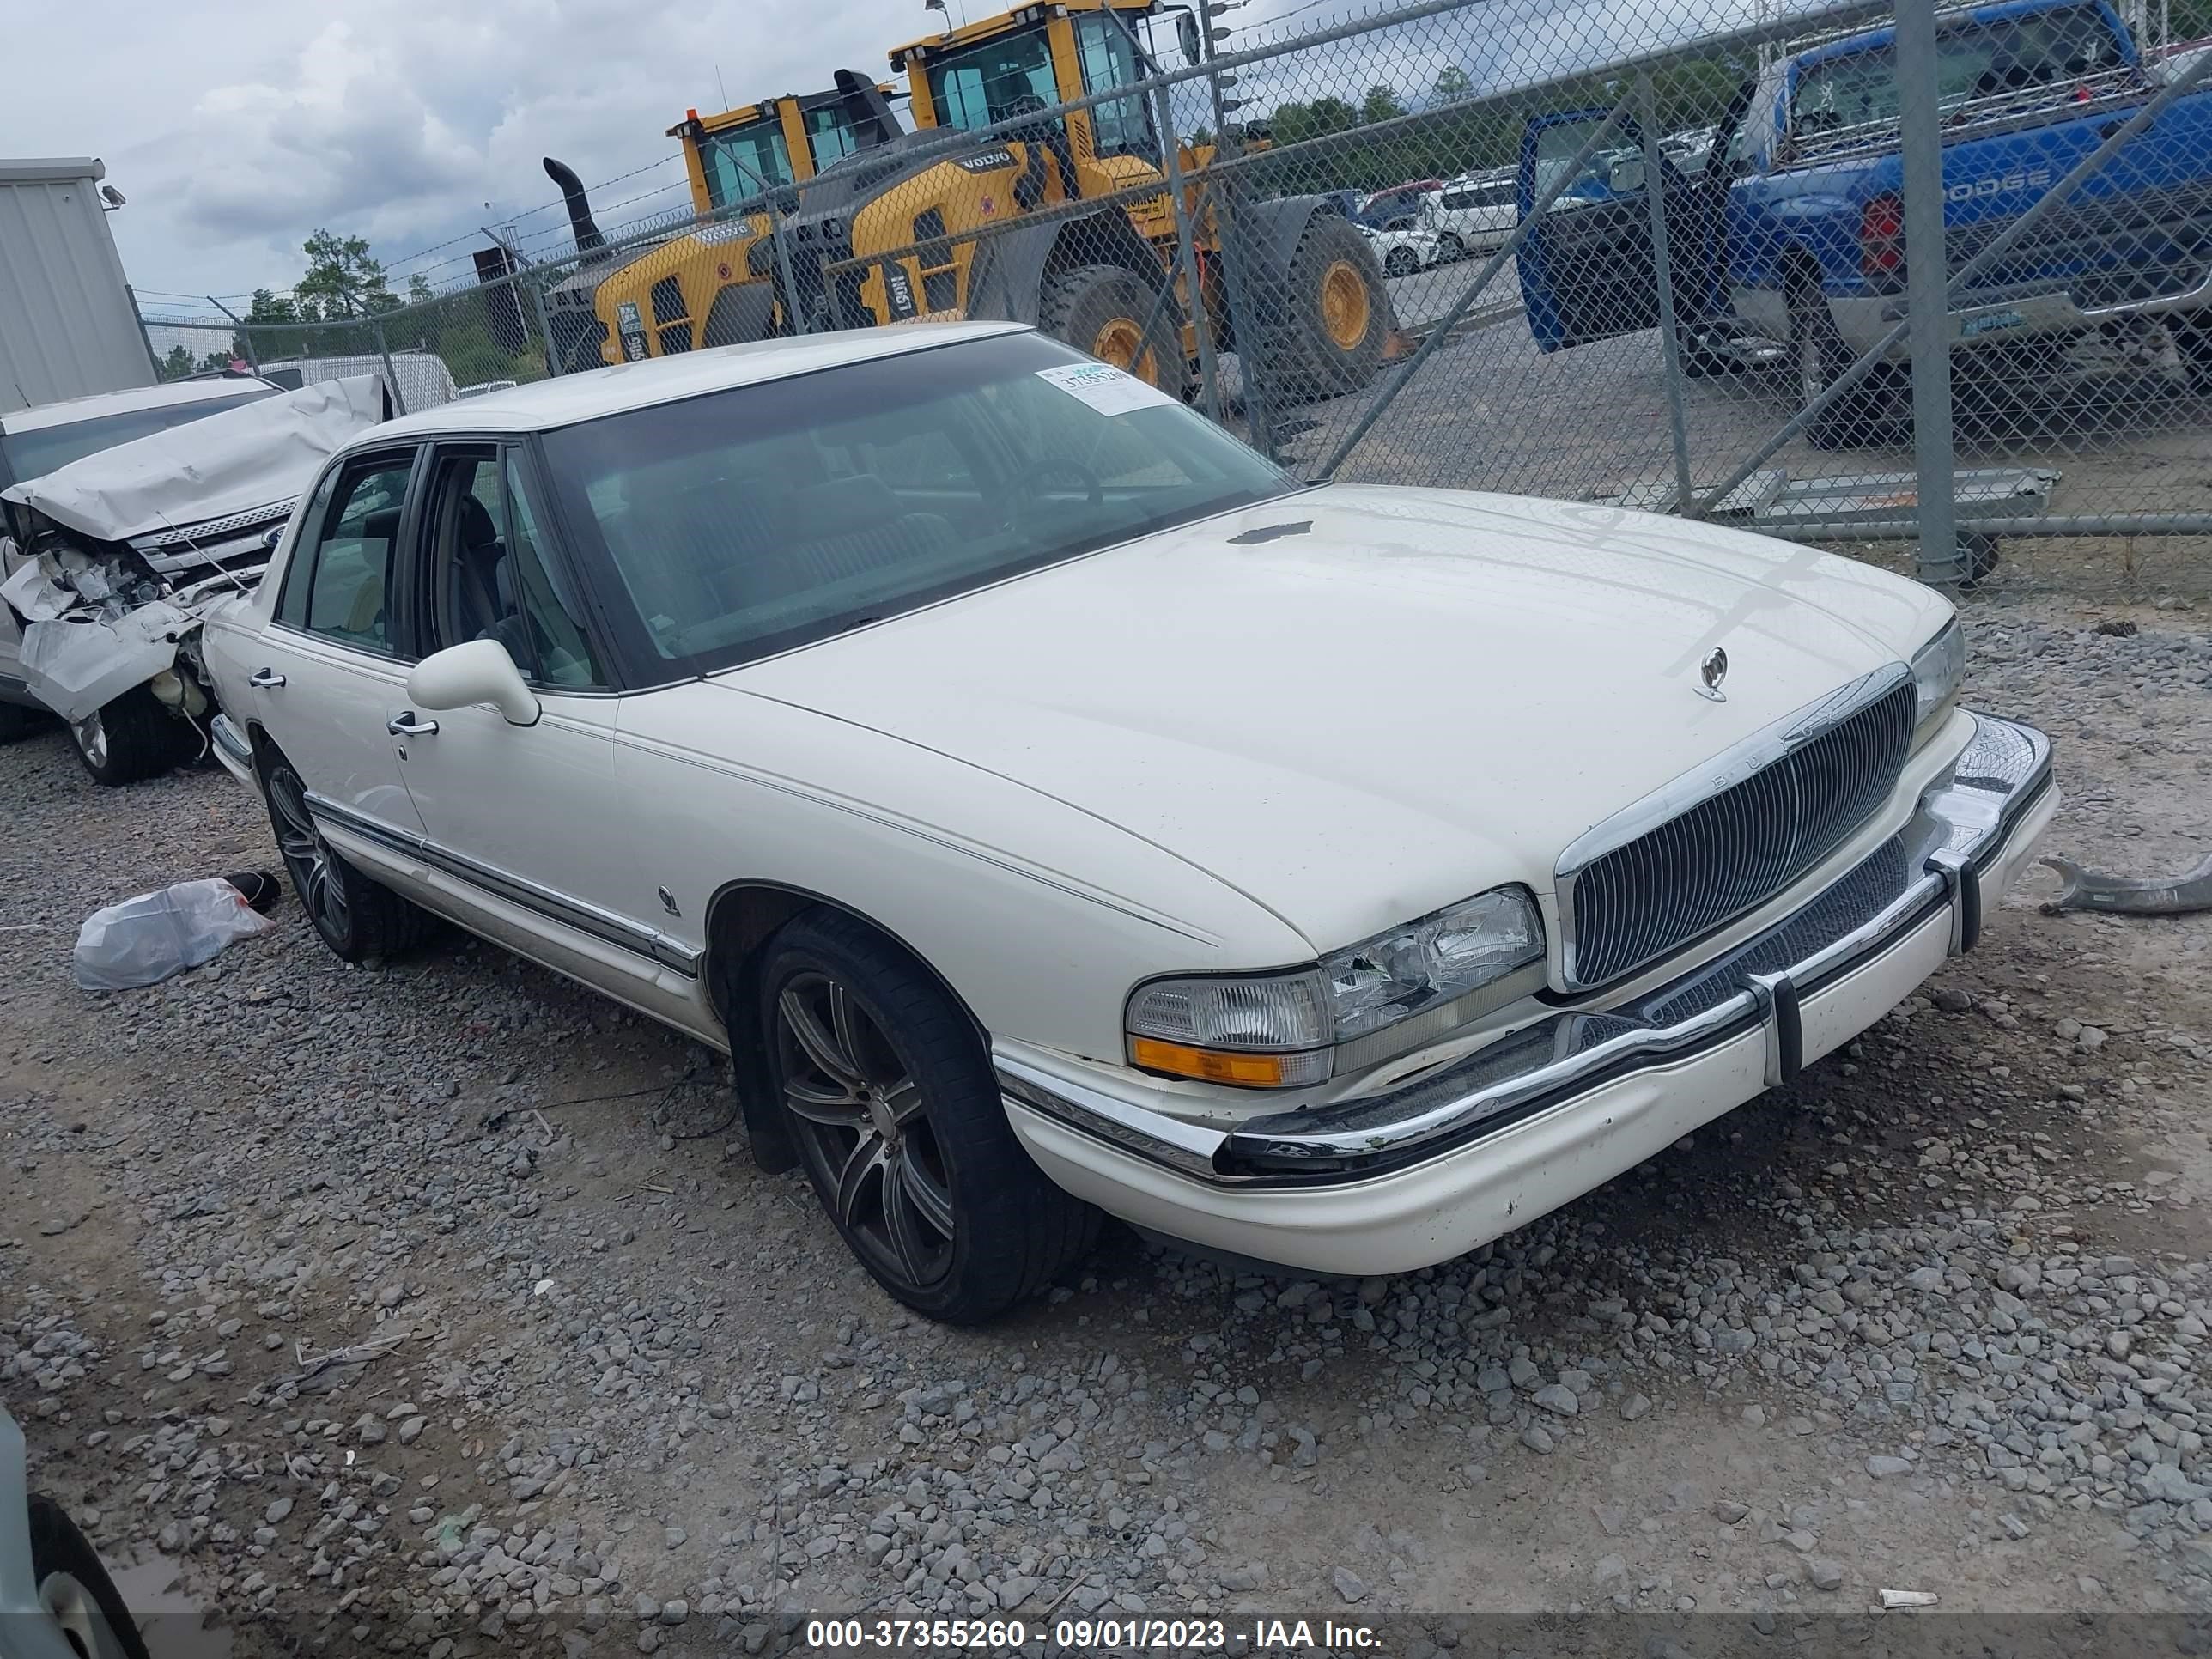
(1588, 269)
(520, 822)
(332, 658)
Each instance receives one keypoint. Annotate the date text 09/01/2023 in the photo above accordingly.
(1084, 1634)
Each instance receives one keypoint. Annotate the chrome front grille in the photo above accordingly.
(1707, 848)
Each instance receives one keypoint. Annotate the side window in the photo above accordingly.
(298, 570)
(347, 587)
(489, 578)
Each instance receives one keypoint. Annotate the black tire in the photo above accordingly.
(358, 917)
(1402, 262)
(75, 1589)
(130, 740)
(1450, 249)
(1119, 319)
(1331, 315)
(1862, 415)
(898, 1122)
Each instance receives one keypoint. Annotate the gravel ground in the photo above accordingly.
(435, 1305)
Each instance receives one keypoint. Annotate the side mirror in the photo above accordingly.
(1626, 176)
(479, 670)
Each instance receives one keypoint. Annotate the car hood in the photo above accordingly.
(1418, 694)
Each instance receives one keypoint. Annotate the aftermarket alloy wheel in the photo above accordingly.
(75, 1591)
(1400, 262)
(897, 1119)
(356, 917)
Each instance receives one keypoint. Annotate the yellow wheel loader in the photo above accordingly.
(697, 288)
(1004, 232)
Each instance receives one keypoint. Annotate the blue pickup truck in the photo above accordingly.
(1791, 231)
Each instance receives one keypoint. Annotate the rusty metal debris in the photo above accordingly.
(2130, 895)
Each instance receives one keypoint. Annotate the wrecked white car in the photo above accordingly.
(110, 564)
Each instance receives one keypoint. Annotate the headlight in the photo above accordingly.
(1937, 668)
(1278, 1030)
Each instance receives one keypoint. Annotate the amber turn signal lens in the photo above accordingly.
(1208, 1065)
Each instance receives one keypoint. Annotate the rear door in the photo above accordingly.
(1587, 271)
(335, 653)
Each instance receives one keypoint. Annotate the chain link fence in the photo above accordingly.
(1932, 287)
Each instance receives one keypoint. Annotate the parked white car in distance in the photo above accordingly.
(1405, 246)
(969, 739)
(1474, 215)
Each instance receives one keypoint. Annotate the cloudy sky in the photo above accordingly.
(236, 127)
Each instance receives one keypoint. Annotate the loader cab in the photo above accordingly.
(736, 155)
(1036, 57)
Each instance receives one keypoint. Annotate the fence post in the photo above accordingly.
(545, 328)
(390, 375)
(1670, 345)
(1209, 377)
(245, 333)
(1242, 300)
(1920, 134)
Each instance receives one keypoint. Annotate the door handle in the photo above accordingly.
(267, 678)
(404, 725)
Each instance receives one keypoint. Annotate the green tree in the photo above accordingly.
(343, 280)
(1380, 104)
(1333, 115)
(1451, 82)
(418, 288)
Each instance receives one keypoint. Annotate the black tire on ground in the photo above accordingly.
(1400, 262)
(358, 917)
(899, 1124)
(1701, 359)
(74, 1587)
(1119, 319)
(131, 739)
(1331, 315)
(1450, 249)
(1867, 413)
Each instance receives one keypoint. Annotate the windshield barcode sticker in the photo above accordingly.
(1105, 388)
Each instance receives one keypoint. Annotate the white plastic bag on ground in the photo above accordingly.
(143, 940)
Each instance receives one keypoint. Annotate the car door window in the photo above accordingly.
(489, 576)
(299, 572)
(347, 580)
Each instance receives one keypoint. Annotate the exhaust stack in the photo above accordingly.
(589, 239)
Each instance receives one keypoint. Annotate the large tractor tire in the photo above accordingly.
(1118, 318)
(1332, 315)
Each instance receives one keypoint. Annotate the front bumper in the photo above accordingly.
(1435, 1167)
(232, 749)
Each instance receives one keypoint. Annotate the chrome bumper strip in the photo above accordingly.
(1963, 824)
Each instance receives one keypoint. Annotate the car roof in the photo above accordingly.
(130, 400)
(568, 398)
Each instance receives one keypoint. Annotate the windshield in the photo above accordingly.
(1008, 76)
(45, 449)
(751, 521)
(829, 135)
(1994, 59)
(738, 160)
(1108, 60)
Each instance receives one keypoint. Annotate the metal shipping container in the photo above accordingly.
(67, 325)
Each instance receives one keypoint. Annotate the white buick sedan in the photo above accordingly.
(1054, 808)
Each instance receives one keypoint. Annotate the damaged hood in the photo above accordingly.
(264, 453)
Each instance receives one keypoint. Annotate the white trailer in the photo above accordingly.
(67, 325)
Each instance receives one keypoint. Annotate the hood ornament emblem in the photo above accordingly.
(1711, 673)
